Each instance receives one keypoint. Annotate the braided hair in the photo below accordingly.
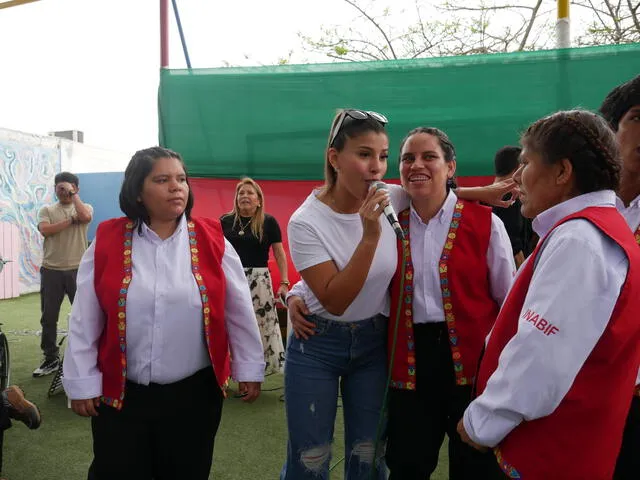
(585, 140)
(446, 145)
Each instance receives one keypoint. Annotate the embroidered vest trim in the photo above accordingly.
(122, 302)
(509, 470)
(407, 300)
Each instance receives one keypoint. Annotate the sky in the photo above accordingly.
(93, 65)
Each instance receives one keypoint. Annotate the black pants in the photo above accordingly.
(163, 432)
(54, 284)
(419, 420)
(5, 424)
(628, 465)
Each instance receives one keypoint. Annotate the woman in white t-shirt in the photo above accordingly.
(338, 244)
(346, 255)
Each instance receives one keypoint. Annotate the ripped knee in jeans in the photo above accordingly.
(364, 451)
(315, 459)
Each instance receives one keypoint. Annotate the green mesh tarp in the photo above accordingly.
(272, 122)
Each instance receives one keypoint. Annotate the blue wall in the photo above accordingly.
(101, 190)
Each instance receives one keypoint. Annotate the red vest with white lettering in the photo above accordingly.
(466, 295)
(581, 439)
(113, 270)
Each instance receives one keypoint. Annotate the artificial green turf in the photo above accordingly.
(251, 442)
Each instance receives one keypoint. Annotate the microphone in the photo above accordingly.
(388, 211)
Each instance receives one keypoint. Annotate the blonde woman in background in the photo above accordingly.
(252, 232)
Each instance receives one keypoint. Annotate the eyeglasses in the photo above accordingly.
(356, 115)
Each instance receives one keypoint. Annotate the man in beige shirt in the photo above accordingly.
(64, 227)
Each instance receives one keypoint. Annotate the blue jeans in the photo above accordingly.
(353, 355)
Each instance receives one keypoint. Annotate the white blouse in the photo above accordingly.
(575, 286)
(165, 333)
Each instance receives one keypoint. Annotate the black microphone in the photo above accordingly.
(388, 211)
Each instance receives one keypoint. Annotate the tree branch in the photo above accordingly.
(590, 7)
(483, 8)
(614, 17)
(471, 28)
(369, 43)
(534, 14)
(598, 14)
(342, 57)
(634, 14)
(380, 29)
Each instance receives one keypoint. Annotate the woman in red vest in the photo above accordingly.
(621, 109)
(162, 297)
(557, 376)
(454, 271)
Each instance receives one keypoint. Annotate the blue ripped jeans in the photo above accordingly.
(351, 355)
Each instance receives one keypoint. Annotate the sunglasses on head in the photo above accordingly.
(356, 115)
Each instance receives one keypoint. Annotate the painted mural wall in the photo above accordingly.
(28, 165)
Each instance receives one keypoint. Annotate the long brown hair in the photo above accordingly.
(257, 221)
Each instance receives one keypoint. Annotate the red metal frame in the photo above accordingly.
(164, 33)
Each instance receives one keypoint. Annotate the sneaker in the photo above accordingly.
(47, 368)
(20, 408)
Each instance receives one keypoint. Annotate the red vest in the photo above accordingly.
(466, 295)
(637, 235)
(112, 277)
(581, 439)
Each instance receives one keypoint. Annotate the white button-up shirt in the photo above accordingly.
(165, 331)
(631, 213)
(576, 283)
(632, 216)
(427, 243)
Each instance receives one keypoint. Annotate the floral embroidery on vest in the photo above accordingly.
(407, 300)
(509, 470)
(122, 301)
(406, 315)
(122, 314)
(204, 296)
(446, 295)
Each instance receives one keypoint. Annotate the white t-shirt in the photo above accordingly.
(317, 234)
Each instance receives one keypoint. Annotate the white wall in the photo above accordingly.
(80, 158)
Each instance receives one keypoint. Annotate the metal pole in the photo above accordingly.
(563, 25)
(181, 32)
(15, 3)
(164, 33)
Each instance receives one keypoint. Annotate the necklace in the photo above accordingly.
(243, 227)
